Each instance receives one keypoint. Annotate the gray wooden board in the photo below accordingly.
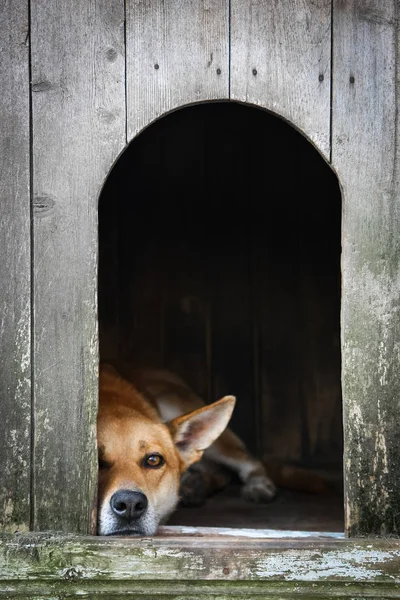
(366, 155)
(177, 53)
(78, 131)
(280, 60)
(15, 306)
(196, 565)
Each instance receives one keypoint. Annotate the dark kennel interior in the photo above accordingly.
(219, 237)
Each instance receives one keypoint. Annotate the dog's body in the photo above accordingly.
(173, 397)
(147, 442)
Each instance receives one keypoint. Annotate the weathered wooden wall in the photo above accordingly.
(78, 128)
(177, 53)
(365, 153)
(281, 60)
(15, 269)
(91, 93)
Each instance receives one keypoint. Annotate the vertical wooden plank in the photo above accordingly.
(177, 53)
(280, 60)
(232, 334)
(295, 235)
(108, 266)
(143, 340)
(78, 130)
(108, 271)
(186, 274)
(276, 283)
(231, 193)
(15, 306)
(365, 152)
(141, 188)
(186, 312)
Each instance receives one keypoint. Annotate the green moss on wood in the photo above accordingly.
(60, 566)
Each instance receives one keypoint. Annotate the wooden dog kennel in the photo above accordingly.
(81, 82)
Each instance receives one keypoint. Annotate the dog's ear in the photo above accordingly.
(106, 368)
(196, 431)
(107, 375)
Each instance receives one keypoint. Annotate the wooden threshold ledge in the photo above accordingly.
(198, 563)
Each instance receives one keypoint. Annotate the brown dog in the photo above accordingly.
(149, 438)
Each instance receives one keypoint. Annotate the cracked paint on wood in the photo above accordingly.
(365, 154)
(207, 566)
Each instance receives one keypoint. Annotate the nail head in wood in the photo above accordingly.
(112, 55)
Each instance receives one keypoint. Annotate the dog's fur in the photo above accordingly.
(151, 413)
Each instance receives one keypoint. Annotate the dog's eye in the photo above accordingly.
(153, 461)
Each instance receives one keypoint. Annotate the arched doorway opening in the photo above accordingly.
(220, 241)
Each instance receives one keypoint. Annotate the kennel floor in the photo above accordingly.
(292, 511)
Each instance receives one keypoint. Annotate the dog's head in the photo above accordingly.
(141, 460)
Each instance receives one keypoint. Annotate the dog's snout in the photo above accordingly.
(127, 504)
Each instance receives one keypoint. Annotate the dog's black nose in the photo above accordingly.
(128, 505)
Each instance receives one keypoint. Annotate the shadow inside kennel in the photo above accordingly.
(219, 238)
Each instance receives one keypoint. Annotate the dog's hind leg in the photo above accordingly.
(229, 450)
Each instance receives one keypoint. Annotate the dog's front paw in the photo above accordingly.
(259, 489)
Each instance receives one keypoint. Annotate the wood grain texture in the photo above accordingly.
(187, 567)
(280, 60)
(78, 131)
(365, 153)
(177, 54)
(15, 294)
